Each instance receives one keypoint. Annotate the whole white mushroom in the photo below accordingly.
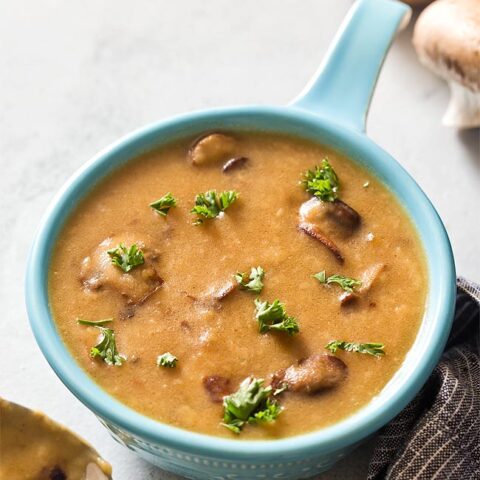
(447, 40)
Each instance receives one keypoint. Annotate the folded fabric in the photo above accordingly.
(437, 436)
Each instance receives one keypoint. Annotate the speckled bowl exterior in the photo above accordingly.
(207, 467)
(336, 120)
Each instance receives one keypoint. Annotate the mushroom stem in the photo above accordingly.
(463, 111)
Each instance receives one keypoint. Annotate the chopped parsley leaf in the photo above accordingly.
(251, 403)
(272, 316)
(106, 348)
(162, 205)
(322, 182)
(126, 258)
(346, 283)
(210, 204)
(94, 323)
(167, 360)
(375, 349)
(254, 282)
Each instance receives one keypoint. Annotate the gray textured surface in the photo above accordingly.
(76, 75)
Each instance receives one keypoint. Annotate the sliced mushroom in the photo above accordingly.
(314, 232)
(322, 220)
(217, 387)
(234, 163)
(447, 41)
(335, 217)
(204, 303)
(225, 290)
(369, 276)
(212, 148)
(342, 214)
(312, 374)
(97, 271)
(211, 300)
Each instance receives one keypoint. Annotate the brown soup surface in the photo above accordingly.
(185, 300)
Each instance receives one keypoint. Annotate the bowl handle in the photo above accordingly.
(343, 85)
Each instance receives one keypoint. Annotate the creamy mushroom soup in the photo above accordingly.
(244, 285)
(35, 447)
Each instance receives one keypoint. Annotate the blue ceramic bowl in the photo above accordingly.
(332, 112)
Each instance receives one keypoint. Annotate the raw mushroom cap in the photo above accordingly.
(447, 40)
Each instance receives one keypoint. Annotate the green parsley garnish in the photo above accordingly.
(167, 360)
(251, 403)
(253, 282)
(272, 316)
(375, 349)
(107, 348)
(162, 205)
(270, 413)
(347, 284)
(210, 204)
(321, 182)
(126, 258)
(94, 323)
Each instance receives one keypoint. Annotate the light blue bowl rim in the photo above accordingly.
(421, 359)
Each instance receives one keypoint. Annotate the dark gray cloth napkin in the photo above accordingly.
(437, 436)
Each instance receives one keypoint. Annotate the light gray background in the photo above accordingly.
(74, 76)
